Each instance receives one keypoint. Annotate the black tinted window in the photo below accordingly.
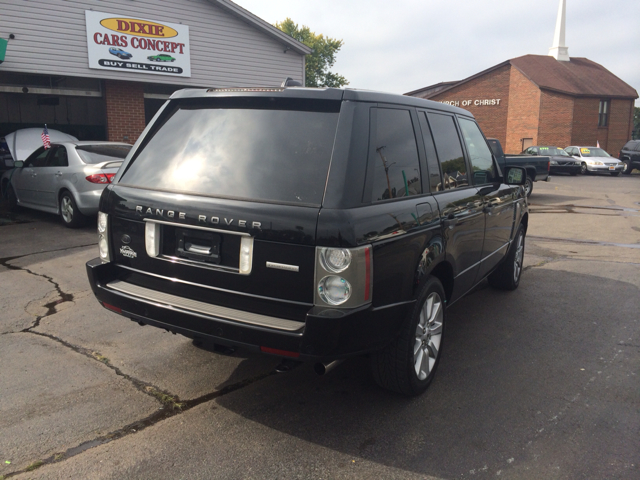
(93, 154)
(58, 157)
(479, 154)
(396, 170)
(452, 163)
(252, 148)
(37, 158)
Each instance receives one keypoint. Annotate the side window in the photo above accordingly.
(638, 146)
(58, 158)
(479, 154)
(396, 169)
(452, 164)
(37, 158)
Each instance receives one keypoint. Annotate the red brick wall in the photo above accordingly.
(556, 119)
(524, 109)
(125, 110)
(494, 85)
(620, 125)
(585, 122)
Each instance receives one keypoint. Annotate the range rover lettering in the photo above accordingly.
(311, 224)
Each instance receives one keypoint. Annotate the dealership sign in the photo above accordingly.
(137, 45)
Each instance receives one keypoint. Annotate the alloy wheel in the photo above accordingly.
(66, 209)
(428, 336)
(517, 261)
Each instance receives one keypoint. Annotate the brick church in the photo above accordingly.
(545, 100)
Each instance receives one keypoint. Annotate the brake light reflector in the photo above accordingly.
(100, 177)
(284, 353)
(112, 308)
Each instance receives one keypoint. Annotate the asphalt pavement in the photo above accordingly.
(537, 383)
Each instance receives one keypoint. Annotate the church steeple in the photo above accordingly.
(560, 51)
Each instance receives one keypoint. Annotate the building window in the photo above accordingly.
(603, 113)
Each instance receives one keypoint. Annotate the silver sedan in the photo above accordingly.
(595, 159)
(66, 179)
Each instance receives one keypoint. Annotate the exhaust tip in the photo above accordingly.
(322, 368)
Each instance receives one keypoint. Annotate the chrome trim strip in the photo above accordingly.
(478, 263)
(283, 266)
(217, 289)
(196, 227)
(173, 301)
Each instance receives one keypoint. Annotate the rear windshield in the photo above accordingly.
(93, 154)
(254, 148)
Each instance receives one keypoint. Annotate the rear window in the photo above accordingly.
(93, 154)
(249, 148)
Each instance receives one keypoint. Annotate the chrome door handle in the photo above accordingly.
(58, 174)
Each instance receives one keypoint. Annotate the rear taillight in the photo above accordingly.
(343, 276)
(101, 177)
(548, 166)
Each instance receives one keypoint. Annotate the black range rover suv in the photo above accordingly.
(314, 224)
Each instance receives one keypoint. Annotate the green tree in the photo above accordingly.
(322, 58)
(636, 122)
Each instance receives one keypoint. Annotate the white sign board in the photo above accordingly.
(137, 45)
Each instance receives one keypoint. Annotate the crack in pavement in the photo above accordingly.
(169, 409)
(4, 261)
(171, 404)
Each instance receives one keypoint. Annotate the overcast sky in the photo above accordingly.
(403, 45)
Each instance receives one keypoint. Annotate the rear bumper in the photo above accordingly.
(325, 334)
(88, 201)
(565, 168)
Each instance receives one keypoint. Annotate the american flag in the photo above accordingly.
(46, 141)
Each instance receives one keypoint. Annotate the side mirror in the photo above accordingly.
(18, 164)
(515, 176)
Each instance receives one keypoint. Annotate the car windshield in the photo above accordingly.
(93, 154)
(249, 148)
(593, 152)
(553, 151)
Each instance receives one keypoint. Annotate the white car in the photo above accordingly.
(595, 159)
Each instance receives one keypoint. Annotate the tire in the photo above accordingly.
(408, 364)
(69, 213)
(583, 169)
(614, 174)
(528, 186)
(507, 275)
(627, 167)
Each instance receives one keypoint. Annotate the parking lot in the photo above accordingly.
(537, 383)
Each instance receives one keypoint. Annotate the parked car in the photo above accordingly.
(537, 167)
(118, 52)
(66, 179)
(23, 142)
(630, 156)
(595, 159)
(311, 224)
(161, 58)
(559, 160)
